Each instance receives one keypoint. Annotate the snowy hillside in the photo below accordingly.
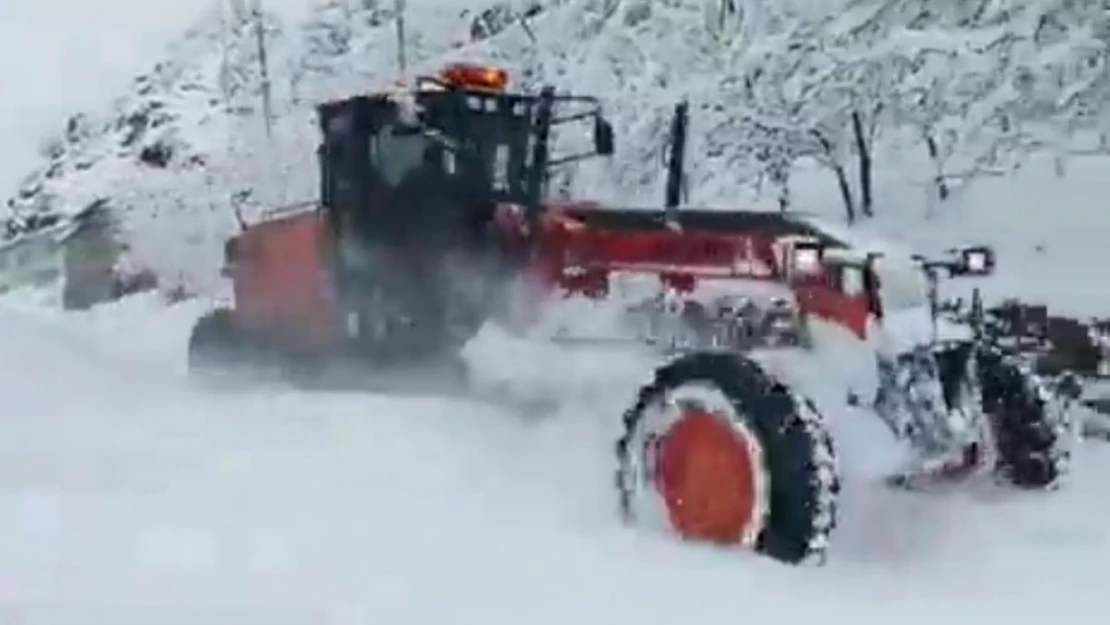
(188, 135)
(171, 152)
(61, 66)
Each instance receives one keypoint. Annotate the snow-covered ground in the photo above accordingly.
(130, 496)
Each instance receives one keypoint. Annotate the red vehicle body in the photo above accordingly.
(279, 271)
(281, 274)
(583, 247)
(287, 284)
(430, 215)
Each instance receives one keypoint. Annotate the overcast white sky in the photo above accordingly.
(61, 56)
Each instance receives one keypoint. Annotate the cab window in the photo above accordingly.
(394, 156)
(339, 163)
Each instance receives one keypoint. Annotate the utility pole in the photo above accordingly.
(402, 61)
(231, 17)
(263, 68)
(272, 157)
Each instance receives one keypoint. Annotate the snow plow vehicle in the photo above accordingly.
(434, 220)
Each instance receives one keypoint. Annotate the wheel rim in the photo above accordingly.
(707, 478)
(704, 476)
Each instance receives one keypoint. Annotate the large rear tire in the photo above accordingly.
(716, 450)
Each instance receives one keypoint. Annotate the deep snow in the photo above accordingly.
(130, 495)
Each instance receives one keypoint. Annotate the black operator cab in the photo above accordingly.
(410, 184)
(428, 165)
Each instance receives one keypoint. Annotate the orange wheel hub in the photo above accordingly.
(707, 477)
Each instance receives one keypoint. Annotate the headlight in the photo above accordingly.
(807, 259)
(976, 261)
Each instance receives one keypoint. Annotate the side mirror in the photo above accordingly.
(603, 136)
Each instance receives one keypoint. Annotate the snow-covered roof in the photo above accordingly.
(857, 237)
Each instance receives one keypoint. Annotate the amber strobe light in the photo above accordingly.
(475, 77)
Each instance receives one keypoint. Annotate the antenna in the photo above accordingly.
(399, 20)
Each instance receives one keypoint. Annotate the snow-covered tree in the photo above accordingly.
(977, 84)
(968, 88)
